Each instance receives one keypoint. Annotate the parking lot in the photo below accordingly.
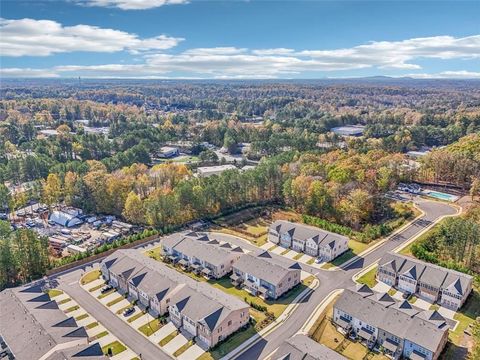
(163, 334)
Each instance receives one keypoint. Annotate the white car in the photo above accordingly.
(318, 260)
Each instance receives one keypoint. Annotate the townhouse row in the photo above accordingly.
(206, 313)
(262, 274)
(306, 239)
(433, 283)
(398, 328)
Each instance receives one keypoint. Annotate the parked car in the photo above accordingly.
(318, 260)
(106, 288)
(129, 311)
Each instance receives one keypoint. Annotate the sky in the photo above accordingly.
(236, 39)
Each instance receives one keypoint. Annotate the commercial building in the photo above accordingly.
(398, 328)
(307, 239)
(33, 327)
(201, 253)
(206, 171)
(208, 314)
(65, 218)
(449, 288)
(265, 276)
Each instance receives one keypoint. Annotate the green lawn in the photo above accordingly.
(114, 301)
(369, 278)
(90, 276)
(81, 317)
(183, 348)
(298, 256)
(150, 328)
(101, 296)
(356, 247)
(116, 347)
(392, 292)
(285, 251)
(272, 248)
(466, 315)
(96, 287)
(135, 317)
(64, 301)
(99, 336)
(155, 253)
(70, 309)
(168, 338)
(91, 325)
(54, 292)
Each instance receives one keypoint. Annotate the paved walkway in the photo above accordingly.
(422, 304)
(176, 343)
(162, 333)
(193, 352)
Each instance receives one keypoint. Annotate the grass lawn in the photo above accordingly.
(412, 300)
(285, 251)
(96, 287)
(150, 328)
(81, 317)
(155, 253)
(356, 247)
(90, 276)
(434, 307)
(64, 301)
(183, 349)
(54, 292)
(258, 241)
(407, 250)
(73, 308)
(101, 296)
(114, 301)
(116, 347)
(355, 351)
(99, 336)
(272, 248)
(168, 338)
(311, 261)
(135, 317)
(91, 325)
(392, 292)
(466, 316)
(369, 278)
(276, 307)
(298, 256)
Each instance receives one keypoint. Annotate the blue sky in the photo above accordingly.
(239, 39)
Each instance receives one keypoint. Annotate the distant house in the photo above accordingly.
(400, 329)
(449, 288)
(349, 130)
(207, 171)
(64, 218)
(265, 276)
(167, 152)
(201, 253)
(307, 239)
(301, 347)
(207, 314)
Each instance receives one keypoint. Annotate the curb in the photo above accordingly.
(273, 326)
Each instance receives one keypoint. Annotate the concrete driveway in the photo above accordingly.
(176, 343)
(447, 313)
(193, 352)
(305, 258)
(291, 254)
(142, 320)
(120, 305)
(124, 355)
(422, 304)
(267, 245)
(105, 300)
(167, 329)
(381, 287)
(278, 250)
(94, 284)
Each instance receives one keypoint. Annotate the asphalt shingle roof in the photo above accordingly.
(301, 347)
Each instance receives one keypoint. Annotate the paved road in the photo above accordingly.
(331, 280)
(125, 333)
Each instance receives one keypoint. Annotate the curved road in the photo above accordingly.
(342, 278)
(329, 281)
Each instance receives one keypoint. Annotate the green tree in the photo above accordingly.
(134, 211)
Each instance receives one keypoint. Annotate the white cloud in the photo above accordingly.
(28, 73)
(132, 4)
(29, 37)
(461, 74)
(232, 62)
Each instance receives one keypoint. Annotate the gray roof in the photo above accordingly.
(32, 329)
(427, 273)
(301, 347)
(304, 232)
(200, 300)
(265, 268)
(400, 323)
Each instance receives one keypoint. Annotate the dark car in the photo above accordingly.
(129, 311)
(106, 288)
